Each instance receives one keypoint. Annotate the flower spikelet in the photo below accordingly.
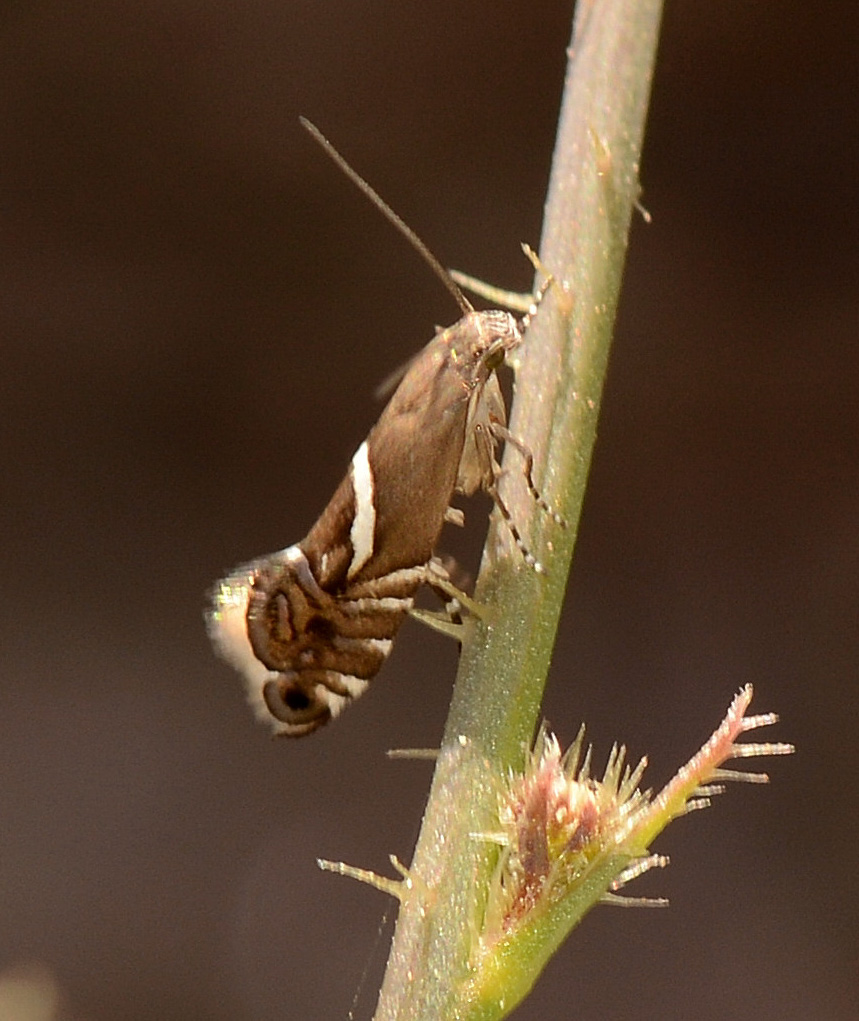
(554, 820)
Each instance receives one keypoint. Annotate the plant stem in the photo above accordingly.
(505, 658)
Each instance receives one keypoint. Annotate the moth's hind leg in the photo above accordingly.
(450, 620)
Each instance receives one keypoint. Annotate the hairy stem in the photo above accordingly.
(505, 658)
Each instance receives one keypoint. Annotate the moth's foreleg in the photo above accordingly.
(497, 296)
(517, 301)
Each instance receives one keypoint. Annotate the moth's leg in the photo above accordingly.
(497, 296)
(561, 289)
(448, 621)
(450, 590)
(517, 301)
(507, 518)
(454, 576)
(501, 432)
(439, 621)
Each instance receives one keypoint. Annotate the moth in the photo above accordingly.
(311, 625)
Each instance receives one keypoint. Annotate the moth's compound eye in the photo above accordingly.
(494, 357)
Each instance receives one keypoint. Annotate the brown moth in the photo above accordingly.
(310, 626)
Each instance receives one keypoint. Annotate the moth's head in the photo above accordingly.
(500, 332)
(479, 342)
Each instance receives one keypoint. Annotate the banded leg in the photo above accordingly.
(501, 432)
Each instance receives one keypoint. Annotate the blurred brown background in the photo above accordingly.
(196, 308)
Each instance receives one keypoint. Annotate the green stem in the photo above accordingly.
(505, 658)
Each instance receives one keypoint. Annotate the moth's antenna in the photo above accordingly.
(400, 224)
